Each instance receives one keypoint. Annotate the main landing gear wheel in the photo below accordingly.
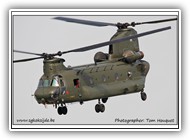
(100, 108)
(62, 110)
(143, 96)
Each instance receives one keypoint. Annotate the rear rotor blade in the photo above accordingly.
(86, 22)
(119, 25)
(152, 22)
(18, 51)
(28, 59)
(99, 45)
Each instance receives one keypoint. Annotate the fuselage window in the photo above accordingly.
(91, 80)
(55, 83)
(129, 74)
(116, 76)
(103, 78)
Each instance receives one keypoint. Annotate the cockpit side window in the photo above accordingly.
(46, 83)
(43, 83)
(55, 83)
(40, 84)
(61, 83)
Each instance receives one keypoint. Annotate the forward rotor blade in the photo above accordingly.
(86, 22)
(91, 47)
(18, 51)
(28, 59)
(155, 21)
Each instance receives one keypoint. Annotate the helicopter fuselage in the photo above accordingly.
(88, 82)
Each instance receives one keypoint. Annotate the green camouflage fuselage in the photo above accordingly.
(117, 75)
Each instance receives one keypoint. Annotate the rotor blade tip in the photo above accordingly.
(55, 18)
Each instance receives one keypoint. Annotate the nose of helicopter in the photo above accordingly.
(46, 95)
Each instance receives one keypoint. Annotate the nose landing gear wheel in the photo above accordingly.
(59, 110)
(62, 110)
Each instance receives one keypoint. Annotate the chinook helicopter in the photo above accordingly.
(121, 71)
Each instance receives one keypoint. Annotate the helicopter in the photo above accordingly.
(121, 71)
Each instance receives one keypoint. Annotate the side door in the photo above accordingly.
(77, 89)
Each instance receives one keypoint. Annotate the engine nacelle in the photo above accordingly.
(100, 56)
(132, 56)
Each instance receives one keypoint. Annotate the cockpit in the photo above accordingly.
(49, 90)
(56, 81)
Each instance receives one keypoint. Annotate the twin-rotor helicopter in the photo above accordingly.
(121, 71)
